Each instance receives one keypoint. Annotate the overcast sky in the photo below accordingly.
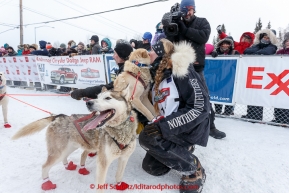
(238, 17)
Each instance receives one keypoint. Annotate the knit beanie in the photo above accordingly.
(186, 4)
(48, 46)
(123, 49)
(63, 46)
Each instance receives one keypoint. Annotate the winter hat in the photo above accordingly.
(6, 46)
(20, 47)
(34, 46)
(9, 47)
(95, 38)
(188, 4)
(107, 41)
(62, 46)
(286, 37)
(159, 27)
(48, 45)
(147, 36)
(123, 49)
(81, 43)
(26, 46)
(159, 48)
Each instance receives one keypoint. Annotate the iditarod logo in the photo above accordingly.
(14, 59)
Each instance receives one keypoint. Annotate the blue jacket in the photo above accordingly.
(261, 49)
(43, 51)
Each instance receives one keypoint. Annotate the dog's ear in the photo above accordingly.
(144, 54)
(103, 89)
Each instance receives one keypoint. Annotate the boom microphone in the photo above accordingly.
(167, 19)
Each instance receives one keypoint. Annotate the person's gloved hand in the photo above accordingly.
(153, 130)
(182, 27)
(214, 54)
(219, 29)
(77, 94)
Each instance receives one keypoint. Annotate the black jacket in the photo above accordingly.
(261, 49)
(189, 125)
(95, 49)
(198, 33)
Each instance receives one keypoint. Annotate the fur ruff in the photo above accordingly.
(145, 71)
(272, 36)
(183, 56)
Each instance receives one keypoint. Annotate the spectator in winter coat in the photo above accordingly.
(94, 43)
(80, 49)
(169, 139)
(285, 45)
(159, 33)
(26, 50)
(2, 51)
(106, 46)
(146, 43)
(11, 51)
(6, 46)
(33, 47)
(264, 44)
(20, 50)
(225, 47)
(196, 31)
(43, 51)
(246, 40)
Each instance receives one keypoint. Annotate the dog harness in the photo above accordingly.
(3, 95)
(137, 63)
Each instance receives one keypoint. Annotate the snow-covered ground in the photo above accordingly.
(252, 158)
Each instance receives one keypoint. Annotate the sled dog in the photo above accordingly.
(4, 99)
(112, 134)
(136, 88)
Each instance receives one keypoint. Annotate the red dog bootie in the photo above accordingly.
(121, 186)
(71, 166)
(7, 125)
(48, 185)
(83, 171)
(92, 154)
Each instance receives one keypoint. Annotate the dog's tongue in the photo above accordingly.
(95, 122)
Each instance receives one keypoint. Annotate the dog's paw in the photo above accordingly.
(121, 186)
(48, 185)
(71, 166)
(7, 125)
(92, 154)
(83, 171)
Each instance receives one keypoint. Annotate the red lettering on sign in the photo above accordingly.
(251, 77)
(283, 86)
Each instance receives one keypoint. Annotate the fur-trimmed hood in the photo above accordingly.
(225, 40)
(272, 36)
(182, 57)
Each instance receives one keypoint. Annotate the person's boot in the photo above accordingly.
(193, 183)
(217, 134)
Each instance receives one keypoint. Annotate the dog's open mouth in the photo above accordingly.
(100, 120)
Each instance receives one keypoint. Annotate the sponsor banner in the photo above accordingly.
(20, 68)
(76, 72)
(220, 75)
(111, 67)
(263, 81)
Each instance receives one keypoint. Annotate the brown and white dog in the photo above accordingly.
(134, 88)
(112, 134)
(4, 99)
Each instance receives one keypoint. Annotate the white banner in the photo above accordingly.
(19, 68)
(263, 81)
(75, 72)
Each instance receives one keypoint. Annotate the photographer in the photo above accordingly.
(181, 24)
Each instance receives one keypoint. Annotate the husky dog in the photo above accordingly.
(134, 88)
(112, 134)
(4, 99)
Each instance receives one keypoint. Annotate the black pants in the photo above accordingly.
(228, 109)
(163, 155)
(281, 115)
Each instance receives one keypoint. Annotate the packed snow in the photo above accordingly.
(252, 158)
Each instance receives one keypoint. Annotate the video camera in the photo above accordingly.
(170, 19)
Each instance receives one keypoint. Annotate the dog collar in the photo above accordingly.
(139, 64)
(2, 86)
